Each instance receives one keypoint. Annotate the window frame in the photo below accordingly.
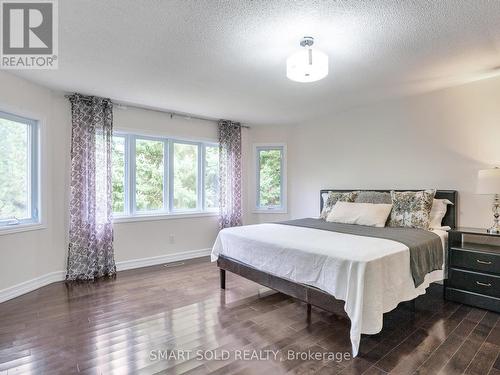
(126, 177)
(258, 147)
(133, 180)
(168, 211)
(199, 178)
(204, 162)
(34, 185)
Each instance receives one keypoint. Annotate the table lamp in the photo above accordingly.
(488, 182)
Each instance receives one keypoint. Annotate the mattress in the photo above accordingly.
(372, 275)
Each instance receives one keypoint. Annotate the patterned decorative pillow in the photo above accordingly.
(411, 209)
(334, 197)
(376, 197)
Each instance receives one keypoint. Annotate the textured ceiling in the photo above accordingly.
(227, 58)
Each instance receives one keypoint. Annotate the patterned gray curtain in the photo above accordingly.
(229, 174)
(90, 253)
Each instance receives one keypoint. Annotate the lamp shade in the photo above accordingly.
(488, 181)
(307, 65)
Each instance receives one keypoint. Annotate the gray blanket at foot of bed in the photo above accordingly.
(426, 248)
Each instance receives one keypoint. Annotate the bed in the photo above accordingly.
(372, 275)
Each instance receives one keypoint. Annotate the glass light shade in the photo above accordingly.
(488, 181)
(307, 65)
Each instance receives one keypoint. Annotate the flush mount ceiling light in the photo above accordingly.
(308, 64)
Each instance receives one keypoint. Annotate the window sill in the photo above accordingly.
(174, 216)
(269, 211)
(21, 228)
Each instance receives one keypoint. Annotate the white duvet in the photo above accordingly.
(371, 275)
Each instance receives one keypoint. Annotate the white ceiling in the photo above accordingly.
(226, 59)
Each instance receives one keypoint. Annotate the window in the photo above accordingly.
(160, 176)
(149, 174)
(270, 177)
(185, 176)
(211, 177)
(19, 188)
(118, 174)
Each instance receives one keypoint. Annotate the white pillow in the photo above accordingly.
(373, 215)
(438, 211)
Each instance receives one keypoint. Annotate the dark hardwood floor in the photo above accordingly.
(125, 325)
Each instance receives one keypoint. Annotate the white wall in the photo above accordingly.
(259, 134)
(152, 238)
(28, 255)
(436, 140)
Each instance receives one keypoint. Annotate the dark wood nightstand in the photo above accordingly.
(473, 268)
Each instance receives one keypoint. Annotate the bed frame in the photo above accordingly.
(305, 293)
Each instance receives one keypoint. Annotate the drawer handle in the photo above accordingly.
(482, 261)
(483, 284)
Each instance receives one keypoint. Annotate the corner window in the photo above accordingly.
(271, 177)
(19, 188)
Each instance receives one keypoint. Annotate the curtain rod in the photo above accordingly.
(187, 116)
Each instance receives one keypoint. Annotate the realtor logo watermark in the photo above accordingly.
(29, 34)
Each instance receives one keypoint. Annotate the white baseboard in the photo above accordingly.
(52, 277)
(31, 285)
(167, 258)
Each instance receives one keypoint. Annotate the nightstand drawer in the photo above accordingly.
(474, 282)
(477, 261)
(473, 299)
